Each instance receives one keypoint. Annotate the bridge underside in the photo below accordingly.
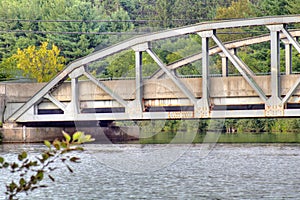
(166, 96)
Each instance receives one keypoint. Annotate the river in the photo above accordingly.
(221, 171)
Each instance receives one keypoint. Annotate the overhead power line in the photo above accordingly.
(106, 33)
(100, 20)
(72, 32)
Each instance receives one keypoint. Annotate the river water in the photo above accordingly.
(221, 171)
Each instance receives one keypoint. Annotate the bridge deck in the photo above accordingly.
(229, 97)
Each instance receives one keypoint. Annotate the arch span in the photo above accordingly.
(274, 102)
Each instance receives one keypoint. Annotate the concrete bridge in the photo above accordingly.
(165, 95)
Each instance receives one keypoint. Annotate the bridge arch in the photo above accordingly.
(273, 98)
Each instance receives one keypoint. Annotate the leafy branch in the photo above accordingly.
(32, 171)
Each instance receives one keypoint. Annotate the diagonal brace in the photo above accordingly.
(178, 83)
(106, 89)
(291, 39)
(236, 63)
(55, 101)
(291, 91)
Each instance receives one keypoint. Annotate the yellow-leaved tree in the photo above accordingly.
(40, 63)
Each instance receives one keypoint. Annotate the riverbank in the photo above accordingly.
(185, 137)
(112, 135)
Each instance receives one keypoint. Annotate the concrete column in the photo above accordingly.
(274, 106)
(275, 59)
(224, 65)
(136, 107)
(74, 105)
(205, 63)
(288, 56)
(202, 108)
(75, 96)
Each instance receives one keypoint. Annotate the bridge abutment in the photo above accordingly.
(16, 133)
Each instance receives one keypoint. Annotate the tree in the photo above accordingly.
(164, 12)
(293, 6)
(272, 7)
(191, 11)
(29, 18)
(41, 64)
(72, 46)
(238, 9)
(13, 9)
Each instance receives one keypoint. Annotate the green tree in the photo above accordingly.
(237, 9)
(164, 12)
(272, 7)
(72, 46)
(293, 6)
(13, 10)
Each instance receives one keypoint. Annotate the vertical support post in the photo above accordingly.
(224, 65)
(202, 109)
(275, 60)
(275, 106)
(35, 109)
(75, 95)
(205, 66)
(74, 106)
(139, 78)
(135, 108)
(288, 57)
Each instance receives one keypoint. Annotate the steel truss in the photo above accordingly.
(274, 104)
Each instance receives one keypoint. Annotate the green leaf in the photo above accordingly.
(82, 138)
(56, 144)
(64, 144)
(67, 136)
(6, 164)
(14, 165)
(77, 135)
(47, 143)
(45, 156)
(12, 186)
(1, 160)
(79, 148)
(40, 175)
(22, 156)
(22, 182)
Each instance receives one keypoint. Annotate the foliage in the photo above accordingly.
(272, 7)
(41, 64)
(72, 46)
(32, 171)
(293, 6)
(237, 9)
